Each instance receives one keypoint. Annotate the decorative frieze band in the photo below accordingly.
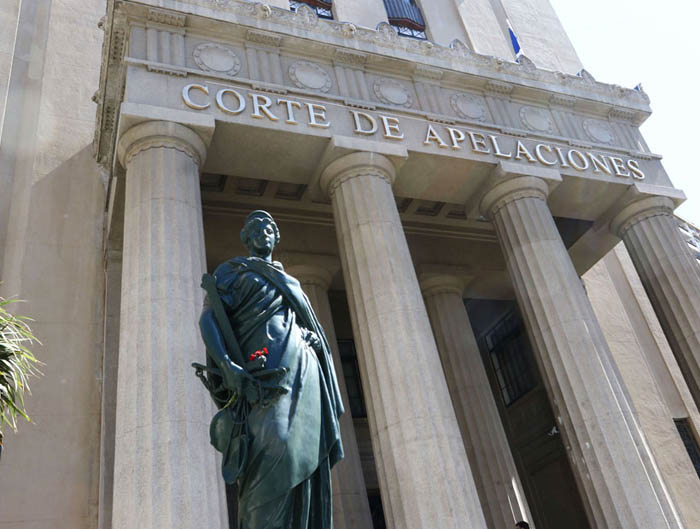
(498, 87)
(266, 39)
(168, 18)
(349, 58)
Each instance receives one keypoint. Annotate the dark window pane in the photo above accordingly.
(351, 373)
(376, 509)
(690, 442)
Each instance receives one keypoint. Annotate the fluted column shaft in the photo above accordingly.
(350, 504)
(166, 472)
(422, 467)
(670, 276)
(609, 454)
(485, 441)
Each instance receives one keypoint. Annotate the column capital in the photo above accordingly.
(310, 273)
(356, 164)
(432, 284)
(151, 134)
(507, 191)
(639, 210)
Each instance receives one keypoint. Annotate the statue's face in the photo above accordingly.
(261, 238)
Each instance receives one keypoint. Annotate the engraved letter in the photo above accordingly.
(188, 100)
(636, 171)
(290, 110)
(560, 154)
(497, 148)
(431, 135)
(317, 112)
(599, 164)
(356, 115)
(583, 165)
(619, 166)
(391, 128)
(521, 151)
(264, 107)
(457, 136)
(479, 142)
(538, 153)
(220, 101)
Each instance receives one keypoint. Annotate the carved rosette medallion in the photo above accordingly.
(598, 131)
(536, 119)
(212, 57)
(468, 107)
(305, 74)
(392, 93)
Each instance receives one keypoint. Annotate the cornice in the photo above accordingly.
(456, 57)
(379, 51)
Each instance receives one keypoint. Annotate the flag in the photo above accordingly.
(514, 41)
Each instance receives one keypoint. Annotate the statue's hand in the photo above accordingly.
(270, 387)
(311, 338)
(234, 377)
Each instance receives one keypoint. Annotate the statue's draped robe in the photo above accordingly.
(294, 441)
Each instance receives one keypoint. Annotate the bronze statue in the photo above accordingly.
(270, 371)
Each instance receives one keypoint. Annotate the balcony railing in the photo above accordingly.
(404, 13)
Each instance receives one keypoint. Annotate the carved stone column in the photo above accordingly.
(422, 467)
(610, 457)
(166, 473)
(496, 477)
(670, 276)
(350, 505)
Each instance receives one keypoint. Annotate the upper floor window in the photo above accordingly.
(323, 8)
(406, 17)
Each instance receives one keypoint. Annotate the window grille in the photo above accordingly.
(323, 8)
(691, 444)
(508, 349)
(406, 17)
(351, 373)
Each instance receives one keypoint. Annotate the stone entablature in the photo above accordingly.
(266, 48)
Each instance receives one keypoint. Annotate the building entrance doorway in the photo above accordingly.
(527, 416)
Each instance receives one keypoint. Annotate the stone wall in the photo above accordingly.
(51, 243)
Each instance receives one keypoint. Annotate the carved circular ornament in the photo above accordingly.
(468, 107)
(598, 131)
(212, 57)
(392, 93)
(536, 119)
(305, 74)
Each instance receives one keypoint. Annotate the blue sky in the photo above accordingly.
(626, 42)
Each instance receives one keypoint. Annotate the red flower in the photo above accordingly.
(258, 354)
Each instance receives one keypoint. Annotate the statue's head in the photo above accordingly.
(260, 234)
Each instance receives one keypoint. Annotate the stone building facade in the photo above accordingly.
(485, 235)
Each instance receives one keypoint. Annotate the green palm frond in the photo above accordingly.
(17, 365)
